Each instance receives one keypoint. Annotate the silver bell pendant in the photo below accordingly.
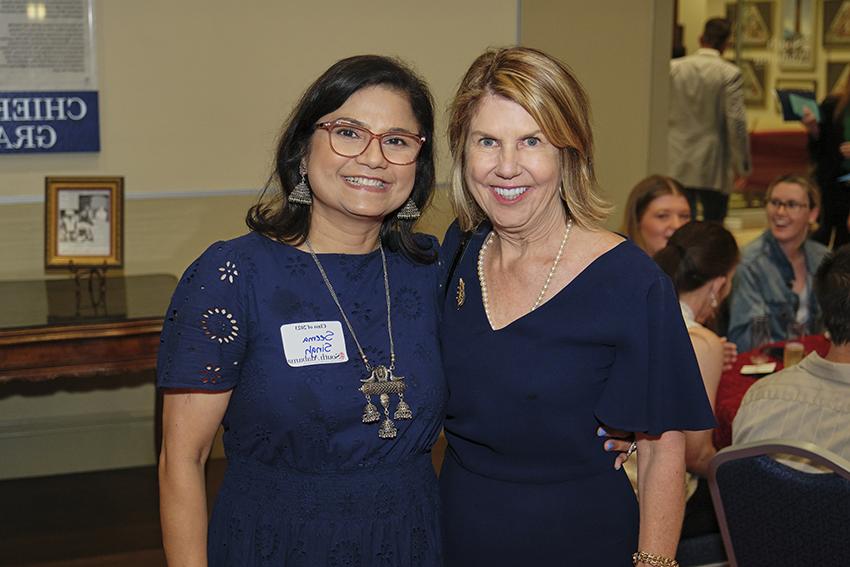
(370, 413)
(387, 429)
(402, 410)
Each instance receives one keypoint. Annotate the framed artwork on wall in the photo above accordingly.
(84, 222)
(757, 23)
(796, 42)
(755, 82)
(836, 75)
(836, 23)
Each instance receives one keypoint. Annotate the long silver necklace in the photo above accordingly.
(483, 281)
(380, 381)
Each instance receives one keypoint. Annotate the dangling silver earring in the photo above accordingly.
(409, 212)
(301, 195)
(713, 300)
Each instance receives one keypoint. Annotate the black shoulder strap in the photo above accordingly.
(461, 250)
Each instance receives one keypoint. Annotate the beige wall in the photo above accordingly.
(620, 50)
(193, 94)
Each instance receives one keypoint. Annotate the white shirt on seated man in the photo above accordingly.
(811, 400)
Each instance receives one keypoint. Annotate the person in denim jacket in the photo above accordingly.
(774, 278)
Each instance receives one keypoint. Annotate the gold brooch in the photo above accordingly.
(460, 296)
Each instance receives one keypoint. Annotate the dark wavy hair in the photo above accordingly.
(832, 290)
(276, 218)
(697, 253)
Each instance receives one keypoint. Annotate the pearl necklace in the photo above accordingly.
(483, 281)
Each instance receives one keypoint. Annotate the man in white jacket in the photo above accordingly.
(708, 144)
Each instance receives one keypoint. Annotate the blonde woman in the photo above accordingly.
(656, 207)
(551, 327)
(774, 279)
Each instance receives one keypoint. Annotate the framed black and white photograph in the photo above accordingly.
(836, 23)
(84, 222)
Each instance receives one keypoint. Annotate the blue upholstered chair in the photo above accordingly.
(774, 515)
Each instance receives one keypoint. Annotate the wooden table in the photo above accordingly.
(54, 329)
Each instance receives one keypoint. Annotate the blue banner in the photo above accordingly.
(49, 122)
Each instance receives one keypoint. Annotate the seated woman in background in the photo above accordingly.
(657, 206)
(700, 258)
(774, 279)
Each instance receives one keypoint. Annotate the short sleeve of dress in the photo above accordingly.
(655, 384)
(205, 329)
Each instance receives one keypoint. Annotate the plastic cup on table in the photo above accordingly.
(792, 353)
(759, 337)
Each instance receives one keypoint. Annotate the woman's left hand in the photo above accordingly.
(616, 441)
(730, 353)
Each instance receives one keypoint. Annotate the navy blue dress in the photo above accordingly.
(526, 481)
(307, 483)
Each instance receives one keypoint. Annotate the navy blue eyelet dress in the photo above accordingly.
(525, 481)
(307, 483)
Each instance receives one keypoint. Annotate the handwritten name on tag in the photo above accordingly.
(313, 342)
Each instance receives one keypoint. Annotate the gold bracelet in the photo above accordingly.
(653, 560)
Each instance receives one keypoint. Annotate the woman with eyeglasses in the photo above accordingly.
(774, 279)
(313, 341)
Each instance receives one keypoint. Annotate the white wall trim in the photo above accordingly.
(142, 196)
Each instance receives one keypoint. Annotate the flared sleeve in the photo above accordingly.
(655, 383)
(205, 331)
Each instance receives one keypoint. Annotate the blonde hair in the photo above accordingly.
(645, 192)
(812, 192)
(546, 89)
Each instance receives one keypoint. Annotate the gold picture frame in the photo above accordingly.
(84, 222)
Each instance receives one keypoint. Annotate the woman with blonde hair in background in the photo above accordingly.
(553, 326)
(774, 280)
(656, 207)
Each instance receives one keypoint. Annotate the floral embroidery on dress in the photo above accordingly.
(211, 374)
(408, 303)
(353, 267)
(418, 543)
(423, 353)
(361, 311)
(228, 271)
(386, 556)
(345, 554)
(296, 266)
(267, 539)
(219, 325)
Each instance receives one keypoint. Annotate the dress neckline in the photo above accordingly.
(554, 297)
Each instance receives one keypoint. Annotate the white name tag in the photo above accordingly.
(314, 342)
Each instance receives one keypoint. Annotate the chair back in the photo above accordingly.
(774, 515)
